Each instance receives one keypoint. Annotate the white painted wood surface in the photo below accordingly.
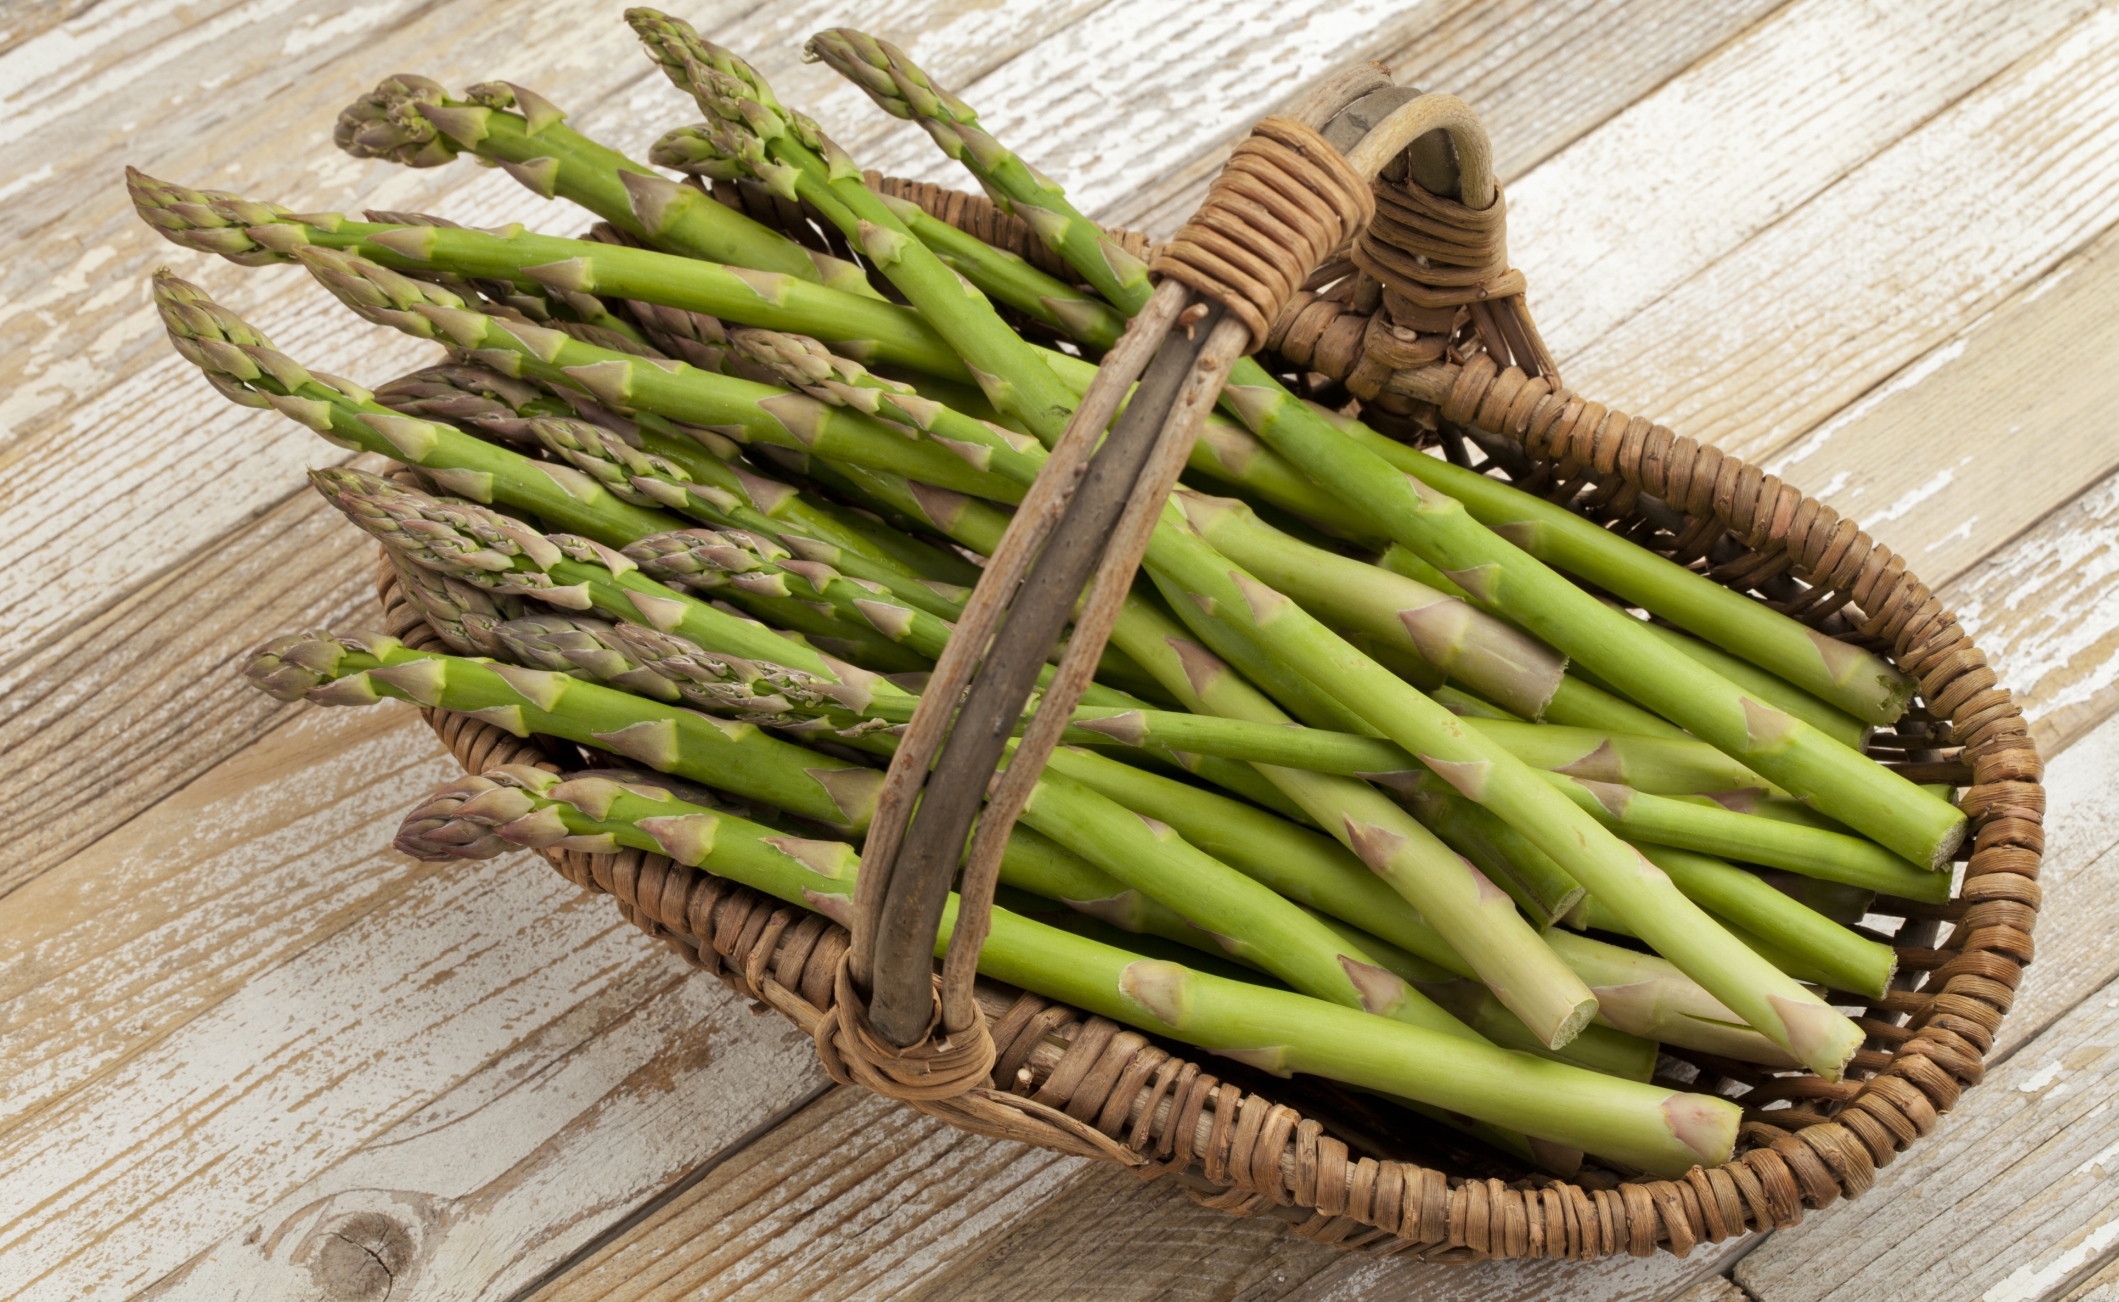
(250, 1053)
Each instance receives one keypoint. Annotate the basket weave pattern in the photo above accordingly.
(1114, 1095)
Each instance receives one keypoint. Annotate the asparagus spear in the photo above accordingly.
(415, 121)
(1843, 959)
(361, 668)
(1640, 1125)
(754, 136)
(253, 233)
(1833, 722)
(1484, 653)
(1598, 1048)
(1710, 829)
(1863, 684)
(902, 90)
(1434, 526)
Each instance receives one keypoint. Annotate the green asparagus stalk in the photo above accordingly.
(1598, 1048)
(1842, 959)
(1826, 718)
(1453, 637)
(902, 90)
(361, 668)
(651, 467)
(1541, 888)
(1709, 828)
(1640, 1125)
(254, 233)
(735, 408)
(415, 121)
(1860, 683)
(1833, 722)
(1319, 873)
(754, 136)
(1779, 1008)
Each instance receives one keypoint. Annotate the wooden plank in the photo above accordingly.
(1620, 1279)
(2045, 609)
(114, 714)
(859, 1197)
(1519, 63)
(2100, 1287)
(1899, 255)
(1739, 141)
(1713, 1290)
(1996, 443)
(236, 1022)
(2008, 1201)
(855, 1196)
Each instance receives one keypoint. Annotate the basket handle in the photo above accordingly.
(1287, 201)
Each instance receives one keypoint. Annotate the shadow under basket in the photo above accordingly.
(1350, 1170)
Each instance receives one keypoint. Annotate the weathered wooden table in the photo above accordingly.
(246, 1051)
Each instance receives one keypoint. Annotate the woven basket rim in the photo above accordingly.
(761, 950)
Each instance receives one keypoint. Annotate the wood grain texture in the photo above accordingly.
(2046, 609)
(2100, 1287)
(1620, 1279)
(237, 1021)
(854, 1196)
(2011, 1201)
(118, 711)
(1740, 140)
(1894, 259)
(1519, 63)
(2026, 390)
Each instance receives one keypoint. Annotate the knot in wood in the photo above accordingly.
(1285, 201)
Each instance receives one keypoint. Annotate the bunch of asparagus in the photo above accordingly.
(1371, 741)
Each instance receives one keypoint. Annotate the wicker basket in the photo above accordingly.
(1447, 354)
